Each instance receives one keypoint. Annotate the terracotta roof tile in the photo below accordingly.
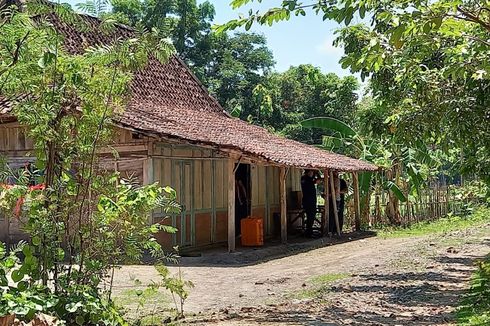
(167, 100)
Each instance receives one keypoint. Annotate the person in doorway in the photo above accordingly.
(241, 204)
(308, 182)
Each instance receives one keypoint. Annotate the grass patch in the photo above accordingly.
(317, 286)
(475, 307)
(443, 225)
(144, 306)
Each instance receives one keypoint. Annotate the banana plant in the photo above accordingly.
(389, 155)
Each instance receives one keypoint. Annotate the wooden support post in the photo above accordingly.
(231, 205)
(334, 203)
(326, 208)
(284, 221)
(357, 202)
(148, 171)
(148, 168)
(148, 179)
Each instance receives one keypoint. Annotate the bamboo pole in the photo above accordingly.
(357, 203)
(231, 205)
(377, 206)
(447, 199)
(334, 203)
(326, 208)
(438, 201)
(284, 222)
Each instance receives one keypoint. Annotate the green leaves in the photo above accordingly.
(65, 102)
(329, 123)
(393, 187)
(396, 36)
(263, 100)
(47, 59)
(17, 275)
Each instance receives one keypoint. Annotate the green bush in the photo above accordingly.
(81, 218)
(475, 308)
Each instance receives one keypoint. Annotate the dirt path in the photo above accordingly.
(401, 281)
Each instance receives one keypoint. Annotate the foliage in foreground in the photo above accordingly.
(475, 308)
(444, 225)
(82, 220)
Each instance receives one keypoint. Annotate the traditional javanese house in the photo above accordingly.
(175, 133)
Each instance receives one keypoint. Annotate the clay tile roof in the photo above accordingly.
(167, 100)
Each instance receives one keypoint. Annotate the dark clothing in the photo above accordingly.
(309, 191)
(309, 201)
(343, 189)
(310, 219)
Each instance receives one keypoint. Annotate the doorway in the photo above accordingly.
(243, 198)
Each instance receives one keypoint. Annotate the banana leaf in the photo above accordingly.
(396, 191)
(329, 123)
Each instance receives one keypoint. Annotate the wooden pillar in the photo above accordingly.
(357, 202)
(334, 203)
(148, 170)
(231, 205)
(284, 220)
(326, 208)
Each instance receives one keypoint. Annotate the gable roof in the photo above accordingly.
(168, 101)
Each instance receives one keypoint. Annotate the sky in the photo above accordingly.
(300, 40)
(297, 41)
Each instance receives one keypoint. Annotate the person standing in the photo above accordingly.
(308, 182)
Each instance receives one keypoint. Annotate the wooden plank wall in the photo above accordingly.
(17, 149)
(199, 177)
(265, 196)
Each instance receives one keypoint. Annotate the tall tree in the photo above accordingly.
(428, 61)
(304, 92)
(187, 23)
(231, 66)
(237, 65)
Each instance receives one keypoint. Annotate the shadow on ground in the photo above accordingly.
(273, 249)
(388, 299)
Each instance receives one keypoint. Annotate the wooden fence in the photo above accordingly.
(431, 203)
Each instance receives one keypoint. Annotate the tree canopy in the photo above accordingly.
(427, 61)
(304, 92)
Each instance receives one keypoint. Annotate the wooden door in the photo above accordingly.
(185, 222)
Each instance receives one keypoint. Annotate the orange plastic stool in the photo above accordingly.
(252, 231)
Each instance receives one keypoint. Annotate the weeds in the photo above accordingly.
(475, 307)
(444, 225)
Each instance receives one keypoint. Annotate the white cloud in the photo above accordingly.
(327, 47)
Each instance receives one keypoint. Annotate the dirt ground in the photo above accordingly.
(368, 281)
